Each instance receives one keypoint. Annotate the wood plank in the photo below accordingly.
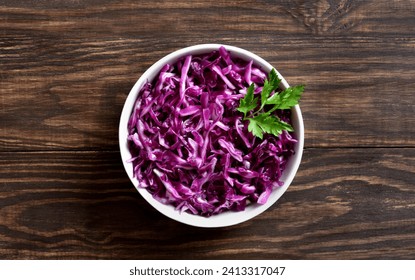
(287, 17)
(343, 204)
(68, 93)
(66, 68)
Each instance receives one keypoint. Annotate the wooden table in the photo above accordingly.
(66, 68)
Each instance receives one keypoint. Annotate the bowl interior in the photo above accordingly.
(226, 218)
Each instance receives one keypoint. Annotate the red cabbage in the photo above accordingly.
(190, 147)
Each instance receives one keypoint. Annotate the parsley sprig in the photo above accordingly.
(263, 121)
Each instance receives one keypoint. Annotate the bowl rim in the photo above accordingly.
(227, 218)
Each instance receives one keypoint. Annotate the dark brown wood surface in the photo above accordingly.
(66, 68)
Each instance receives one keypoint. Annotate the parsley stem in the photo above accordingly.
(273, 109)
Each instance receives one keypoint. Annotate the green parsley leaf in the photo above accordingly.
(248, 103)
(254, 128)
(262, 121)
(271, 124)
(270, 84)
(287, 98)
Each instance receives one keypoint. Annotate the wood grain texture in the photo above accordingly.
(365, 97)
(68, 81)
(285, 17)
(81, 205)
(66, 68)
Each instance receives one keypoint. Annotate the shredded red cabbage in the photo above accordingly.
(189, 145)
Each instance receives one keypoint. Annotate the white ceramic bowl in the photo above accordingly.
(227, 218)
